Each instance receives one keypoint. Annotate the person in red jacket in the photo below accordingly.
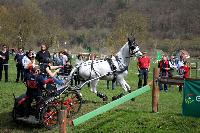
(184, 73)
(143, 68)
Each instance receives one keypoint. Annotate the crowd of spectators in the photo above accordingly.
(168, 67)
(26, 61)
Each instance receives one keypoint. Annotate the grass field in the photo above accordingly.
(130, 117)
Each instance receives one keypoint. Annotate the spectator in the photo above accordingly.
(113, 84)
(20, 69)
(180, 62)
(68, 54)
(92, 56)
(172, 66)
(4, 57)
(43, 54)
(26, 61)
(63, 58)
(164, 68)
(67, 68)
(143, 68)
(78, 61)
(183, 73)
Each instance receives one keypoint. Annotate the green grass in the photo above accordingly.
(129, 117)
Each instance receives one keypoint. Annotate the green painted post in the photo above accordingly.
(110, 105)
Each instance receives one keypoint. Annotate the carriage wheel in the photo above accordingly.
(50, 116)
(72, 102)
(14, 115)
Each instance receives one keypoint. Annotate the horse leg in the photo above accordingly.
(93, 86)
(124, 85)
(126, 88)
(99, 94)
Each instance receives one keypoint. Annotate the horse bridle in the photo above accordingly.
(132, 46)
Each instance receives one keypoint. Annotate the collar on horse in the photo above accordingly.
(122, 67)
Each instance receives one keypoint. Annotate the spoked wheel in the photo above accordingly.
(50, 116)
(72, 102)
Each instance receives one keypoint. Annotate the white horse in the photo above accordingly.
(114, 68)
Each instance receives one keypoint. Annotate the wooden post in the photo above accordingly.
(190, 71)
(155, 90)
(197, 69)
(62, 118)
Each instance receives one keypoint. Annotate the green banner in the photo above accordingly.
(191, 98)
(158, 56)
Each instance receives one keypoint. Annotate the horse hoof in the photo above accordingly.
(114, 98)
(133, 99)
(105, 98)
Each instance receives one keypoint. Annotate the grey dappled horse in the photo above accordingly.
(116, 67)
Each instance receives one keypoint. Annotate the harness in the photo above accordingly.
(122, 66)
(112, 66)
(92, 68)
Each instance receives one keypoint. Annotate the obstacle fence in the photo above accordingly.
(164, 80)
(63, 121)
(196, 68)
(155, 99)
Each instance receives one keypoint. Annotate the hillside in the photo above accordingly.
(99, 23)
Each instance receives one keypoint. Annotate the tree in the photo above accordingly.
(128, 23)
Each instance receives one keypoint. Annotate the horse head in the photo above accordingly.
(133, 47)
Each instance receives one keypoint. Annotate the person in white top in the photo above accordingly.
(79, 59)
(26, 61)
(180, 62)
(172, 65)
(63, 58)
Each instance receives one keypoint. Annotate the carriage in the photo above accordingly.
(69, 97)
(45, 112)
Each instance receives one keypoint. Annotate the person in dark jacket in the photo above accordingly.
(20, 68)
(164, 69)
(4, 57)
(42, 55)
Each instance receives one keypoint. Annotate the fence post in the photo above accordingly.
(197, 69)
(155, 90)
(190, 71)
(62, 119)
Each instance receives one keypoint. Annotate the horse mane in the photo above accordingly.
(121, 49)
